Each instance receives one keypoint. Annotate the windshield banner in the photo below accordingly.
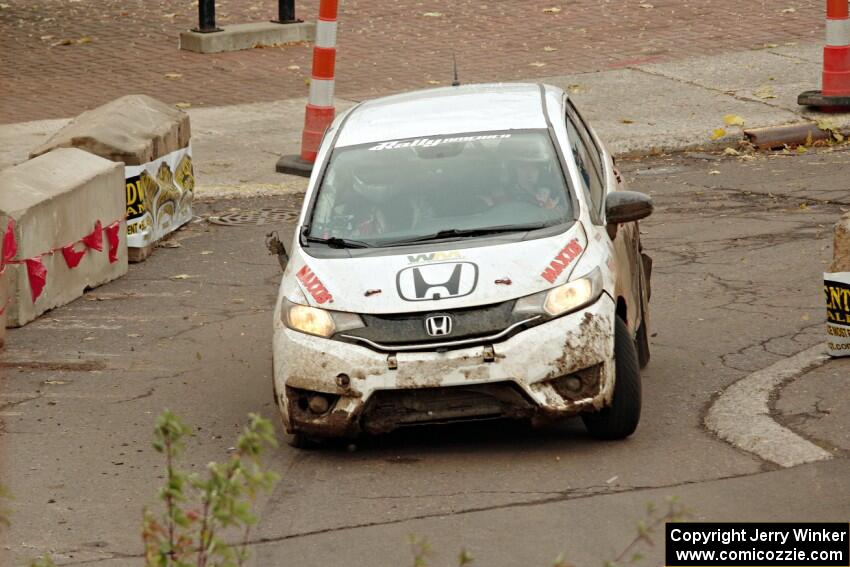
(836, 286)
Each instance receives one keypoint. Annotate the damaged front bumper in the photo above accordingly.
(327, 388)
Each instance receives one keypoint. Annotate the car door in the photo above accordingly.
(597, 171)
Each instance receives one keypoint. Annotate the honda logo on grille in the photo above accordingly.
(438, 325)
(437, 281)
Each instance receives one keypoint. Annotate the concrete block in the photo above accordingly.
(134, 129)
(4, 299)
(247, 36)
(153, 141)
(841, 246)
(55, 200)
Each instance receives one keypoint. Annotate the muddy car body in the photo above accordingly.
(462, 253)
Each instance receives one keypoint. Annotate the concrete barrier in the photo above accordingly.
(841, 246)
(836, 287)
(4, 298)
(152, 139)
(56, 211)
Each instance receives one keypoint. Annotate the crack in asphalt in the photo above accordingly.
(556, 498)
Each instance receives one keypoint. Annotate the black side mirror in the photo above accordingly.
(627, 206)
(276, 248)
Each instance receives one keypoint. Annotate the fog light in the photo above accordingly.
(573, 383)
(342, 380)
(318, 404)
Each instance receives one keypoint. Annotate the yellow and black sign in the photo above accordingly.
(837, 302)
(136, 206)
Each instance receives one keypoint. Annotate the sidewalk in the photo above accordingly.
(661, 106)
(60, 58)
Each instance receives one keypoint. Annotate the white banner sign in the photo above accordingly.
(159, 197)
(836, 286)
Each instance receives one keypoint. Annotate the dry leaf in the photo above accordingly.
(180, 277)
(789, 10)
(575, 88)
(731, 152)
(646, 6)
(172, 15)
(537, 64)
(293, 67)
(549, 49)
(552, 10)
(206, 252)
(801, 149)
(803, 206)
(173, 75)
(84, 39)
(626, 121)
(765, 92)
(718, 133)
(733, 120)
(433, 82)
(183, 104)
(433, 14)
(826, 125)
(714, 172)
(5, 6)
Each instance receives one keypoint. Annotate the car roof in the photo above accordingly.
(448, 110)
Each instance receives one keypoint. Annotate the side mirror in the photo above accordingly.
(627, 206)
(276, 248)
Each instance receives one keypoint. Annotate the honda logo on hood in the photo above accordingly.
(438, 325)
(437, 281)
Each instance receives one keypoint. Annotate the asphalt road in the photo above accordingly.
(739, 248)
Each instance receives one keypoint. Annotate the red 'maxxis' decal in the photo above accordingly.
(564, 258)
(314, 285)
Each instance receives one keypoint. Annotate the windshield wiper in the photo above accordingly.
(336, 242)
(459, 232)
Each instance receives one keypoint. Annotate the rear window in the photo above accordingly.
(399, 190)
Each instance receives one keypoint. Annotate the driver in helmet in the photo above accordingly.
(525, 175)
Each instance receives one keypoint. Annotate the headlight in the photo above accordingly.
(309, 320)
(564, 298)
(315, 321)
(568, 297)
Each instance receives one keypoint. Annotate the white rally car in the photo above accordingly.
(463, 253)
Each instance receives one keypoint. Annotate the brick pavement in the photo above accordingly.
(384, 45)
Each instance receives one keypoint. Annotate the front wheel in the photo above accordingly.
(301, 441)
(642, 343)
(621, 418)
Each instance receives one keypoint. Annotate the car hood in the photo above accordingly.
(447, 278)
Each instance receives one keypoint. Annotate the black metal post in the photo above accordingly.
(206, 17)
(286, 12)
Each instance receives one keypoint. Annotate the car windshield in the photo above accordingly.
(406, 191)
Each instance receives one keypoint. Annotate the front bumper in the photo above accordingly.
(523, 376)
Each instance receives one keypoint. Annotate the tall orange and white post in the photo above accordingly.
(320, 103)
(835, 92)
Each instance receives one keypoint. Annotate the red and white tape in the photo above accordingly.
(320, 104)
(836, 53)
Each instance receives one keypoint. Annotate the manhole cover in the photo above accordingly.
(259, 217)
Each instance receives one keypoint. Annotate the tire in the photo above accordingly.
(621, 418)
(642, 345)
(301, 441)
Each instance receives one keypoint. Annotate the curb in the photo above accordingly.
(741, 414)
(770, 137)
